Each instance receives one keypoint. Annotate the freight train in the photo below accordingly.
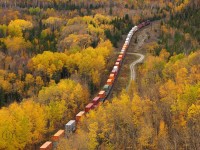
(70, 127)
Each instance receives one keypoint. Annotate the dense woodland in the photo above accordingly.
(55, 55)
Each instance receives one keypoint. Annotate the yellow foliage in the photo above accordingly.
(21, 124)
(92, 143)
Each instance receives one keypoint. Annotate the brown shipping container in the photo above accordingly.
(112, 76)
(89, 107)
(47, 146)
(58, 135)
(102, 94)
(79, 115)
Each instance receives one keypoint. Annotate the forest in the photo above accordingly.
(55, 55)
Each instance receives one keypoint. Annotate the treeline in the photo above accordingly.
(69, 4)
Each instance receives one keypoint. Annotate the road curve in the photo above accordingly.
(132, 66)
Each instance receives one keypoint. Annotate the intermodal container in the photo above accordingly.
(125, 47)
(117, 64)
(109, 82)
(116, 67)
(127, 42)
(56, 137)
(106, 87)
(112, 76)
(79, 116)
(70, 126)
(96, 100)
(47, 146)
(102, 94)
(119, 60)
(114, 72)
(122, 53)
(89, 107)
(120, 56)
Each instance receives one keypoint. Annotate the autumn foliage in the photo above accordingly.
(56, 54)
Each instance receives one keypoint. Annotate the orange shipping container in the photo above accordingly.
(47, 146)
(109, 82)
(58, 135)
(125, 46)
(112, 76)
(79, 115)
(102, 94)
(120, 56)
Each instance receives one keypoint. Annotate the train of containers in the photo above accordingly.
(70, 127)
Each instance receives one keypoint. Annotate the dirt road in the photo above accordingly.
(132, 66)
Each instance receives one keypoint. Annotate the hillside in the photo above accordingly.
(56, 56)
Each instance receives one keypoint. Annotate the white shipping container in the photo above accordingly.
(70, 126)
(129, 34)
(115, 67)
(127, 42)
(135, 28)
